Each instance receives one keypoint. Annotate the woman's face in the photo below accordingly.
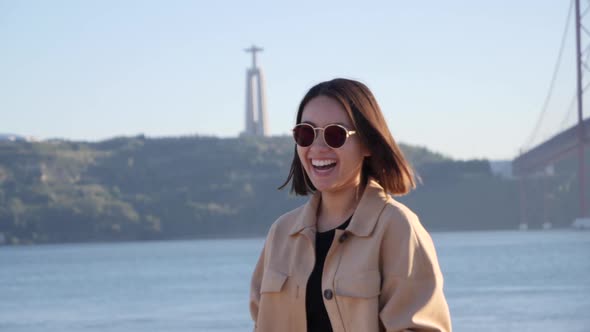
(331, 170)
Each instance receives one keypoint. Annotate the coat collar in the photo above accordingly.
(365, 216)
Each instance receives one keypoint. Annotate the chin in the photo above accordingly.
(321, 186)
(328, 186)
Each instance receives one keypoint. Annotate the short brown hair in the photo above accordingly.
(386, 164)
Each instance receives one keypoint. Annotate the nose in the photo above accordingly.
(319, 140)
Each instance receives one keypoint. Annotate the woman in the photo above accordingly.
(351, 259)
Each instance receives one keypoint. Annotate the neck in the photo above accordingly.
(336, 207)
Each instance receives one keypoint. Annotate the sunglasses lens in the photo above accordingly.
(303, 135)
(335, 136)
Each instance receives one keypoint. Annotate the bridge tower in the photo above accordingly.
(581, 133)
(256, 117)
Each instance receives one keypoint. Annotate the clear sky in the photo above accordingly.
(464, 78)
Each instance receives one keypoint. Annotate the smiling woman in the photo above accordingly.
(352, 258)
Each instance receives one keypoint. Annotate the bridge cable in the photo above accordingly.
(553, 79)
(570, 109)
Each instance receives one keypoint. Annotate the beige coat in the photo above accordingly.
(380, 274)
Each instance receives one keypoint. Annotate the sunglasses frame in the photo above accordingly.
(323, 129)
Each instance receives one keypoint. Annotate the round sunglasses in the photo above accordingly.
(335, 135)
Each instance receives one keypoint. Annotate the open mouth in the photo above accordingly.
(323, 164)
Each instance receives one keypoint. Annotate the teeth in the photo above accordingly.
(317, 162)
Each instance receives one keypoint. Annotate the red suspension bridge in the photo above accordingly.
(573, 141)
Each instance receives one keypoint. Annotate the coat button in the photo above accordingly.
(343, 237)
(328, 294)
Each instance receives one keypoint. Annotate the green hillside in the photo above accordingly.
(139, 188)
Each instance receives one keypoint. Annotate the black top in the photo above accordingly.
(317, 316)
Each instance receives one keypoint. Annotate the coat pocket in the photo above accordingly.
(276, 302)
(272, 281)
(366, 285)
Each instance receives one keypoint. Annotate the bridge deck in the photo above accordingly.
(557, 147)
